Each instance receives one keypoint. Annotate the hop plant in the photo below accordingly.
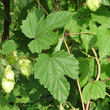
(7, 85)
(9, 74)
(12, 58)
(93, 5)
(26, 67)
(8, 80)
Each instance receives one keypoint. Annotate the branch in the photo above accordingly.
(82, 50)
(106, 79)
(7, 21)
(107, 94)
(71, 2)
(99, 71)
(80, 33)
(87, 106)
(77, 5)
(42, 7)
(97, 60)
(39, 4)
(77, 80)
(80, 95)
(57, 9)
(66, 45)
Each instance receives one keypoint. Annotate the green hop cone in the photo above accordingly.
(93, 5)
(26, 67)
(8, 67)
(7, 85)
(9, 74)
(8, 80)
(12, 58)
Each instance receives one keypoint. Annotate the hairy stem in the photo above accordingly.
(82, 50)
(106, 79)
(80, 95)
(97, 60)
(77, 5)
(80, 33)
(77, 80)
(87, 106)
(107, 94)
(99, 71)
(42, 7)
(57, 9)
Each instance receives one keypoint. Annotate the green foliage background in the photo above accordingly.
(38, 36)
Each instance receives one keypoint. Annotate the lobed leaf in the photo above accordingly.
(94, 90)
(103, 42)
(58, 19)
(30, 25)
(43, 42)
(8, 47)
(86, 70)
(89, 40)
(36, 27)
(51, 70)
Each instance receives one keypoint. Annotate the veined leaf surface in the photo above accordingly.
(94, 90)
(51, 70)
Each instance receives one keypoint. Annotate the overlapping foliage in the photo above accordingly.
(46, 74)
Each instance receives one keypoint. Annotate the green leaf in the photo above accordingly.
(30, 25)
(20, 91)
(4, 104)
(73, 27)
(8, 47)
(9, 107)
(105, 71)
(104, 14)
(58, 19)
(106, 2)
(86, 70)
(24, 96)
(51, 70)
(101, 107)
(89, 40)
(36, 27)
(42, 42)
(94, 90)
(103, 42)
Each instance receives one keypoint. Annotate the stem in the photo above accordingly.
(57, 9)
(107, 94)
(97, 60)
(72, 47)
(99, 71)
(7, 21)
(66, 45)
(77, 80)
(87, 106)
(82, 50)
(106, 79)
(80, 95)
(38, 4)
(61, 107)
(77, 5)
(76, 42)
(71, 2)
(42, 7)
(80, 33)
